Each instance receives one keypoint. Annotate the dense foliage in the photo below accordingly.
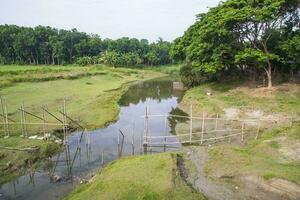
(46, 45)
(242, 37)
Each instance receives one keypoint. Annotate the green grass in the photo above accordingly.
(11, 74)
(263, 157)
(14, 163)
(231, 95)
(92, 95)
(258, 157)
(92, 99)
(147, 177)
(171, 70)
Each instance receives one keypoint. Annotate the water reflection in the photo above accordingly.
(89, 150)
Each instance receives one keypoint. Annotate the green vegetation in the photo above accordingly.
(11, 74)
(284, 98)
(92, 93)
(148, 177)
(247, 38)
(46, 45)
(171, 70)
(14, 163)
(268, 157)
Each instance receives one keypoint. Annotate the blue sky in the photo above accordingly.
(148, 19)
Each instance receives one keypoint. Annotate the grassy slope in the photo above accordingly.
(264, 157)
(284, 98)
(92, 94)
(147, 177)
(92, 99)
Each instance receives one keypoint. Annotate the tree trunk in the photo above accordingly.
(269, 70)
(269, 74)
(53, 62)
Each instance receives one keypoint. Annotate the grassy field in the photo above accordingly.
(284, 98)
(92, 95)
(147, 177)
(91, 98)
(11, 74)
(274, 155)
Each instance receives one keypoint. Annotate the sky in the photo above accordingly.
(149, 19)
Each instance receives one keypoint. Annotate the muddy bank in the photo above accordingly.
(232, 187)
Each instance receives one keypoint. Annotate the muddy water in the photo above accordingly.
(161, 98)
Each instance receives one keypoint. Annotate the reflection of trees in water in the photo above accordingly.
(174, 120)
(155, 89)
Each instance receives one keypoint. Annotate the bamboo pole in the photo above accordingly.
(147, 120)
(118, 138)
(216, 125)
(86, 137)
(44, 124)
(119, 149)
(141, 144)
(24, 120)
(102, 158)
(202, 129)
(166, 126)
(258, 130)
(146, 128)
(3, 115)
(194, 133)
(6, 119)
(132, 143)
(32, 123)
(191, 122)
(78, 140)
(194, 141)
(165, 141)
(64, 121)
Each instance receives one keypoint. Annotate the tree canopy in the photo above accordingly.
(241, 36)
(46, 45)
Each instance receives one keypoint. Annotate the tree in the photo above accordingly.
(57, 49)
(110, 58)
(46, 45)
(238, 35)
(290, 49)
(254, 22)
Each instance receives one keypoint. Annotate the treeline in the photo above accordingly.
(259, 39)
(46, 45)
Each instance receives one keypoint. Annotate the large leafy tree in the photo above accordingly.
(238, 34)
(255, 22)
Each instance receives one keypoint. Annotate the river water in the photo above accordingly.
(160, 97)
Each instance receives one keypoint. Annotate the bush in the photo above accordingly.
(83, 61)
(189, 76)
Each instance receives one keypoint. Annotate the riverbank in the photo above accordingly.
(212, 98)
(266, 168)
(19, 155)
(92, 95)
(141, 177)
